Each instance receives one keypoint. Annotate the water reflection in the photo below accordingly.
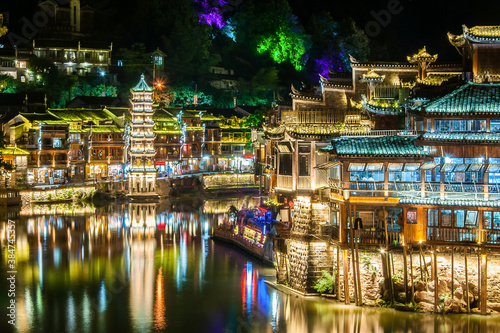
(140, 268)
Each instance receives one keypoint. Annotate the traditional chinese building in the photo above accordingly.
(142, 175)
(417, 173)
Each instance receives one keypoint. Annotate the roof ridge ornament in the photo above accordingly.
(352, 59)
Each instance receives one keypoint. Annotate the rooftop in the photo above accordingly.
(79, 115)
(391, 146)
(469, 98)
(478, 34)
(142, 85)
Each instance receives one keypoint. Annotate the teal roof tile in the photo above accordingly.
(142, 85)
(377, 146)
(450, 136)
(469, 98)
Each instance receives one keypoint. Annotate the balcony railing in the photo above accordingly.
(375, 237)
(440, 234)
(285, 182)
(304, 182)
(348, 133)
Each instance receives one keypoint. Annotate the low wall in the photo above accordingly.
(57, 194)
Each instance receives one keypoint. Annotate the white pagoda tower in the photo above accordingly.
(142, 176)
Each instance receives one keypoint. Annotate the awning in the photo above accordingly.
(357, 167)
(493, 168)
(475, 167)
(411, 166)
(428, 166)
(326, 165)
(393, 167)
(285, 147)
(448, 167)
(375, 167)
(461, 167)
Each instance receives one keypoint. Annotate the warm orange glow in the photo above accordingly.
(160, 83)
(160, 322)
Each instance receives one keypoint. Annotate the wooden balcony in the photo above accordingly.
(285, 182)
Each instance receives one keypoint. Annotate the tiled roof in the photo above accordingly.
(478, 34)
(377, 146)
(78, 115)
(142, 85)
(450, 136)
(13, 151)
(469, 98)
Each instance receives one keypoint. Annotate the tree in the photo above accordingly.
(3, 30)
(333, 42)
(4, 166)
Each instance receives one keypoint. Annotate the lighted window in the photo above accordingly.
(459, 217)
(487, 220)
(432, 217)
(138, 163)
(21, 64)
(471, 219)
(495, 125)
(158, 60)
(357, 167)
(120, 63)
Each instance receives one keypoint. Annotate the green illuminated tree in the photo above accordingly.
(287, 42)
(3, 30)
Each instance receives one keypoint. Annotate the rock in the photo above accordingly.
(425, 307)
(400, 286)
(494, 306)
(401, 297)
(443, 287)
(424, 296)
(459, 294)
(456, 307)
(402, 307)
(420, 286)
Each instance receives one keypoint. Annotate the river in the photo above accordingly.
(144, 268)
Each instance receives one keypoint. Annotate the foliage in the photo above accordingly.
(256, 119)
(184, 95)
(326, 284)
(333, 42)
(286, 42)
(233, 213)
(274, 202)
(396, 278)
(3, 30)
(367, 264)
(443, 298)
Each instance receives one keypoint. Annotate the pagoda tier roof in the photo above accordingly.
(477, 34)
(422, 55)
(478, 137)
(437, 79)
(471, 98)
(382, 106)
(13, 151)
(390, 146)
(79, 115)
(142, 85)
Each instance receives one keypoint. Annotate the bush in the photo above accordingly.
(326, 284)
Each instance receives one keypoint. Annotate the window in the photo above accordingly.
(471, 219)
(441, 125)
(158, 60)
(487, 220)
(404, 176)
(495, 125)
(285, 164)
(459, 216)
(120, 63)
(21, 64)
(446, 218)
(432, 217)
(304, 164)
(57, 143)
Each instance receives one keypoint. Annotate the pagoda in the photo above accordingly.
(142, 176)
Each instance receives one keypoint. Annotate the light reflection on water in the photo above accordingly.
(134, 268)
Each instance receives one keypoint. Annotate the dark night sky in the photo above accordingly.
(420, 22)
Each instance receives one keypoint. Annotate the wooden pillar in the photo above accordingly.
(483, 298)
(405, 272)
(452, 272)
(411, 276)
(346, 278)
(313, 163)
(338, 273)
(352, 233)
(295, 165)
(434, 267)
(360, 294)
(466, 280)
